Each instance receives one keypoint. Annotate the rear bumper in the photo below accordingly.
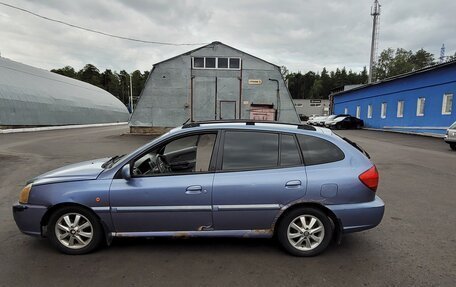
(28, 218)
(359, 216)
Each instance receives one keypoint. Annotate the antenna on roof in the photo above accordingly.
(375, 12)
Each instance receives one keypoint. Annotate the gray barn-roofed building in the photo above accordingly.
(31, 96)
(214, 82)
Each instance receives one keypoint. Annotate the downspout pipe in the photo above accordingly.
(278, 98)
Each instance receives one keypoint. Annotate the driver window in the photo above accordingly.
(183, 155)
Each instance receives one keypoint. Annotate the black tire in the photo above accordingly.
(338, 126)
(94, 228)
(282, 231)
(453, 146)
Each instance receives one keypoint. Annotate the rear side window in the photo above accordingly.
(318, 151)
(289, 152)
(250, 150)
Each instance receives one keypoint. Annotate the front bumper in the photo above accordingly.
(28, 218)
(359, 216)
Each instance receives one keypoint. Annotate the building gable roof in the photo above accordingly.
(213, 44)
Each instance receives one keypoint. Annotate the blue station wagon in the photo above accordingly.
(303, 185)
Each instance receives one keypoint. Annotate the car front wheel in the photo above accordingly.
(305, 232)
(453, 146)
(74, 230)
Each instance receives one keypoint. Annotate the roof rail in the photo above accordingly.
(248, 123)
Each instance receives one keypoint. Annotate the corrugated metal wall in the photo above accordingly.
(431, 85)
(175, 92)
(35, 97)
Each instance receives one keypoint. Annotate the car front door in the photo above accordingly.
(255, 178)
(170, 188)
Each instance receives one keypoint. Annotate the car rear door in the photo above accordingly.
(257, 173)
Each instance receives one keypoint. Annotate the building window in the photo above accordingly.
(216, 63)
(358, 111)
(198, 62)
(210, 63)
(369, 111)
(447, 104)
(346, 111)
(383, 111)
(235, 63)
(222, 63)
(400, 109)
(420, 107)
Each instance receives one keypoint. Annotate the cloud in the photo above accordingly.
(302, 35)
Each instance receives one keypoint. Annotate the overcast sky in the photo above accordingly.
(303, 35)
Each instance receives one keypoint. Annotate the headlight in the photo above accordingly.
(24, 195)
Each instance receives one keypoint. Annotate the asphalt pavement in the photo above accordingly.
(415, 245)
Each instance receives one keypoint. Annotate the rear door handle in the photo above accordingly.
(194, 189)
(293, 183)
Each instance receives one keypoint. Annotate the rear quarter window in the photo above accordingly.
(319, 151)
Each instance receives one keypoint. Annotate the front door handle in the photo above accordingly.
(293, 183)
(194, 189)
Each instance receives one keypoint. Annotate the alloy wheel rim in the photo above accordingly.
(305, 232)
(74, 230)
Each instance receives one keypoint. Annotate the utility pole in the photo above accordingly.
(375, 13)
(131, 93)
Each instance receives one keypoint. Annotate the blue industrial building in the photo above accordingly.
(417, 102)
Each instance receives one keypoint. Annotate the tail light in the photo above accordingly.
(370, 178)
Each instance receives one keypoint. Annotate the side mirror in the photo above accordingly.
(125, 172)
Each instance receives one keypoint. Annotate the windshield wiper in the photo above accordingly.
(112, 161)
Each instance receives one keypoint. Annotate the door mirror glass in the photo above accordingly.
(126, 172)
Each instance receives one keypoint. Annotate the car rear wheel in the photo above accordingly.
(305, 232)
(453, 146)
(74, 230)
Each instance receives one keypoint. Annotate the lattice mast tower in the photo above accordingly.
(442, 54)
(375, 13)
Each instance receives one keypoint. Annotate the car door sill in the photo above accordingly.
(256, 233)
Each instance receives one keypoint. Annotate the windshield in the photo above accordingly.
(339, 119)
(331, 117)
(453, 126)
(112, 161)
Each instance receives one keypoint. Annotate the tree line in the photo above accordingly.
(390, 63)
(116, 83)
(309, 85)
(313, 85)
